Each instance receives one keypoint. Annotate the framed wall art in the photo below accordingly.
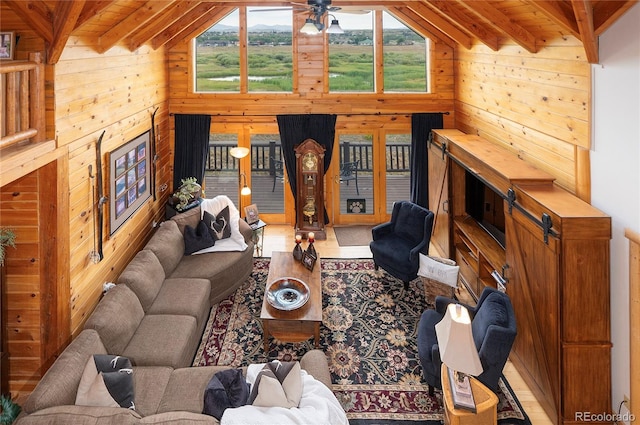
(7, 45)
(251, 213)
(129, 174)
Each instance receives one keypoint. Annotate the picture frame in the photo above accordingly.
(461, 392)
(129, 177)
(7, 45)
(251, 214)
(308, 260)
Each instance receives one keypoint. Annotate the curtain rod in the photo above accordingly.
(275, 115)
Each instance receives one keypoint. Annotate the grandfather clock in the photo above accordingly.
(310, 189)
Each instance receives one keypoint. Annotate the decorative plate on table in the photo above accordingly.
(287, 293)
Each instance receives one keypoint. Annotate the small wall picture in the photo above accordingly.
(251, 213)
(7, 44)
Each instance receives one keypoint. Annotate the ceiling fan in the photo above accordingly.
(317, 9)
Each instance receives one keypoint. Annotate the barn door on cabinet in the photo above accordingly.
(439, 200)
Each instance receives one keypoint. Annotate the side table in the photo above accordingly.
(258, 236)
(486, 404)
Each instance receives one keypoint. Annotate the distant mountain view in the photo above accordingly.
(255, 28)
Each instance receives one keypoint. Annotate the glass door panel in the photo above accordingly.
(221, 170)
(267, 174)
(398, 166)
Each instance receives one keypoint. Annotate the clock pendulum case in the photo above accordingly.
(310, 189)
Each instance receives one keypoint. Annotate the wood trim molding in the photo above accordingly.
(634, 316)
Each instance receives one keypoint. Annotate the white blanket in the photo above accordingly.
(236, 241)
(318, 406)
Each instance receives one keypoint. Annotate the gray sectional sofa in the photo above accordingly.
(155, 316)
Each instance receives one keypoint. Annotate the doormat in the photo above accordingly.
(368, 333)
(353, 235)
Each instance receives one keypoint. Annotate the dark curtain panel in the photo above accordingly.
(421, 126)
(192, 147)
(294, 129)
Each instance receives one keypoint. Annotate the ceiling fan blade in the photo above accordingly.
(271, 10)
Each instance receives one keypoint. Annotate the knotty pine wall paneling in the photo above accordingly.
(132, 85)
(536, 105)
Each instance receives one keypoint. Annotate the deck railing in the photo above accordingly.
(398, 156)
(22, 116)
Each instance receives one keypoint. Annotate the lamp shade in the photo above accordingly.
(455, 341)
(335, 28)
(309, 27)
(239, 152)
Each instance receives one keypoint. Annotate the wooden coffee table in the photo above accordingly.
(295, 325)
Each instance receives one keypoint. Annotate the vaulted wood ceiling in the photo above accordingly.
(132, 23)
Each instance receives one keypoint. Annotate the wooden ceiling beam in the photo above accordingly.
(451, 11)
(584, 17)
(65, 18)
(91, 9)
(417, 23)
(202, 12)
(36, 15)
(168, 18)
(606, 13)
(502, 23)
(436, 20)
(142, 16)
(559, 12)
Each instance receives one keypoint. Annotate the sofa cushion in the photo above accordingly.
(180, 418)
(188, 218)
(59, 385)
(81, 415)
(278, 384)
(184, 296)
(225, 270)
(116, 318)
(151, 382)
(168, 245)
(107, 381)
(185, 390)
(164, 340)
(144, 275)
(227, 389)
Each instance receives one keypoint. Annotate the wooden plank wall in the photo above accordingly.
(536, 105)
(131, 86)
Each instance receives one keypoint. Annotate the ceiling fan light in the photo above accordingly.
(335, 28)
(309, 27)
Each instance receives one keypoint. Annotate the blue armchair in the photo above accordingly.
(396, 245)
(493, 325)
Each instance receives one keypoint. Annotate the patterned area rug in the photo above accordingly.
(368, 334)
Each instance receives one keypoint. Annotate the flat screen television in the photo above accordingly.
(485, 206)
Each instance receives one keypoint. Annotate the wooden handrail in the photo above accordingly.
(22, 118)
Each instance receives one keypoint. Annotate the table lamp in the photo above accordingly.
(458, 351)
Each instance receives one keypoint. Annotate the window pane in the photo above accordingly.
(267, 182)
(356, 174)
(221, 173)
(217, 60)
(405, 57)
(398, 154)
(270, 49)
(351, 54)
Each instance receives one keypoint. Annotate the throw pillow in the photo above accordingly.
(107, 381)
(279, 384)
(197, 239)
(219, 225)
(226, 389)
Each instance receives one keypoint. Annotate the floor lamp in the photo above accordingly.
(240, 152)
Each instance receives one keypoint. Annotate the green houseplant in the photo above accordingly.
(188, 192)
(7, 238)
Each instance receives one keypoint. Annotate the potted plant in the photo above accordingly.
(188, 193)
(7, 238)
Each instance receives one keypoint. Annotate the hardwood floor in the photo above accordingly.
(281, 238)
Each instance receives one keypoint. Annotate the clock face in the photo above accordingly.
(309, 162)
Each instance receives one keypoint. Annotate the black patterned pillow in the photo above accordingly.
(107, 381)
(197, 239)
(218, 225)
